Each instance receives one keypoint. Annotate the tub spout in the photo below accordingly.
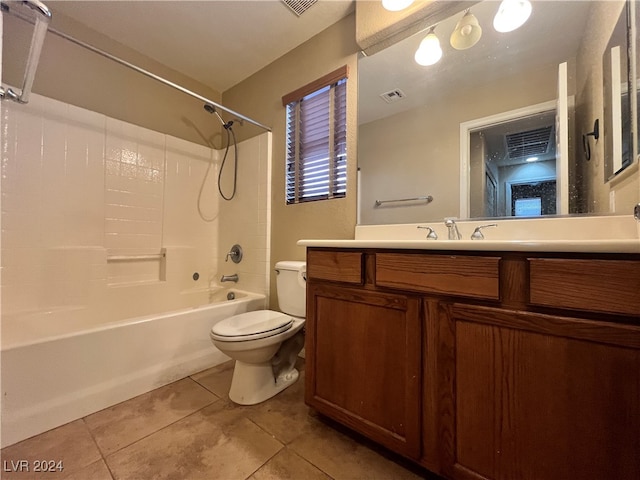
(229, 278)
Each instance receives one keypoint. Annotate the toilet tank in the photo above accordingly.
(291, 286)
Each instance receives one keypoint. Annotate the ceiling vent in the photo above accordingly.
(529, 143)
(299, 6)
(393, 95)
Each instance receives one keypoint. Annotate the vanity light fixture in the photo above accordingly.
(396, 5)
(429, 51)
(467, 32)
(512, 14)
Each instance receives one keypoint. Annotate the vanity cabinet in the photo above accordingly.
(365, 367)
(487, 365)
(539, 396)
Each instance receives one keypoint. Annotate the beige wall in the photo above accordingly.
(430, 147)
(259, 97)
(74, 75)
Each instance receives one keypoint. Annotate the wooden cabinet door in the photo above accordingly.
(530, 396)
(363, 363)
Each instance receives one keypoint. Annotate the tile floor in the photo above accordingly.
(189, 430)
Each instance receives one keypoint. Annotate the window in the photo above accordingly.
(316, 140)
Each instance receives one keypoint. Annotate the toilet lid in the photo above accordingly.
(252, 325)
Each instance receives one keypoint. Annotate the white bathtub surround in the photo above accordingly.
(246, 220)
(100, 224)
(80, 190)
(56, 380)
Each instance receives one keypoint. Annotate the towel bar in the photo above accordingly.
(427, 198)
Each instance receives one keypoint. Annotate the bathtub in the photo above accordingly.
(60, 376)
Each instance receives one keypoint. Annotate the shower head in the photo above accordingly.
(211, 109)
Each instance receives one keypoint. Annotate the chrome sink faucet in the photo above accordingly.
(454, 233)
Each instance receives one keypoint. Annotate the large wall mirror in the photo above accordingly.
(519, 124)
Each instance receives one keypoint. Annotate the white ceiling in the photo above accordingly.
(219, 43)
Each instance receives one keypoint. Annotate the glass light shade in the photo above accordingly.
(429, 51)
(396, 5)
(467, 32)
(511, 15)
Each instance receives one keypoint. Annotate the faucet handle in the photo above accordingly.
(431, 234)
(477, 233)
(235, 254)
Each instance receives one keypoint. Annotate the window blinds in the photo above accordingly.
(316, 147)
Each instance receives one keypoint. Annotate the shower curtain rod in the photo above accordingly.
(140, 70)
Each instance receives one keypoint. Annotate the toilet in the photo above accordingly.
(264, 343)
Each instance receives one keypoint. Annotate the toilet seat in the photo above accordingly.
(251, 326)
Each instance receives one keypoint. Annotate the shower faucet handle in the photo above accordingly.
(235, 254)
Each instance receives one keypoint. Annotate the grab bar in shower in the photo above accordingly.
(37, 40)
(427, 199)
(128, 258)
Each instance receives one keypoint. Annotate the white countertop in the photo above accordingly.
(603, 234)
(600, 246)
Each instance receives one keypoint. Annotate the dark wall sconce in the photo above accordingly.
(585, 141)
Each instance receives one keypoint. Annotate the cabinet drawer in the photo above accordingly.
(446, 274)
(343, 267)
(594, 285)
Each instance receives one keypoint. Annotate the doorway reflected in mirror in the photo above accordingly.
(515, 157)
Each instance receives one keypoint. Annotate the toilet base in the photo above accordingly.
(254, 383)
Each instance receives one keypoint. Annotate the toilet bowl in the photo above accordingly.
(265, 343)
